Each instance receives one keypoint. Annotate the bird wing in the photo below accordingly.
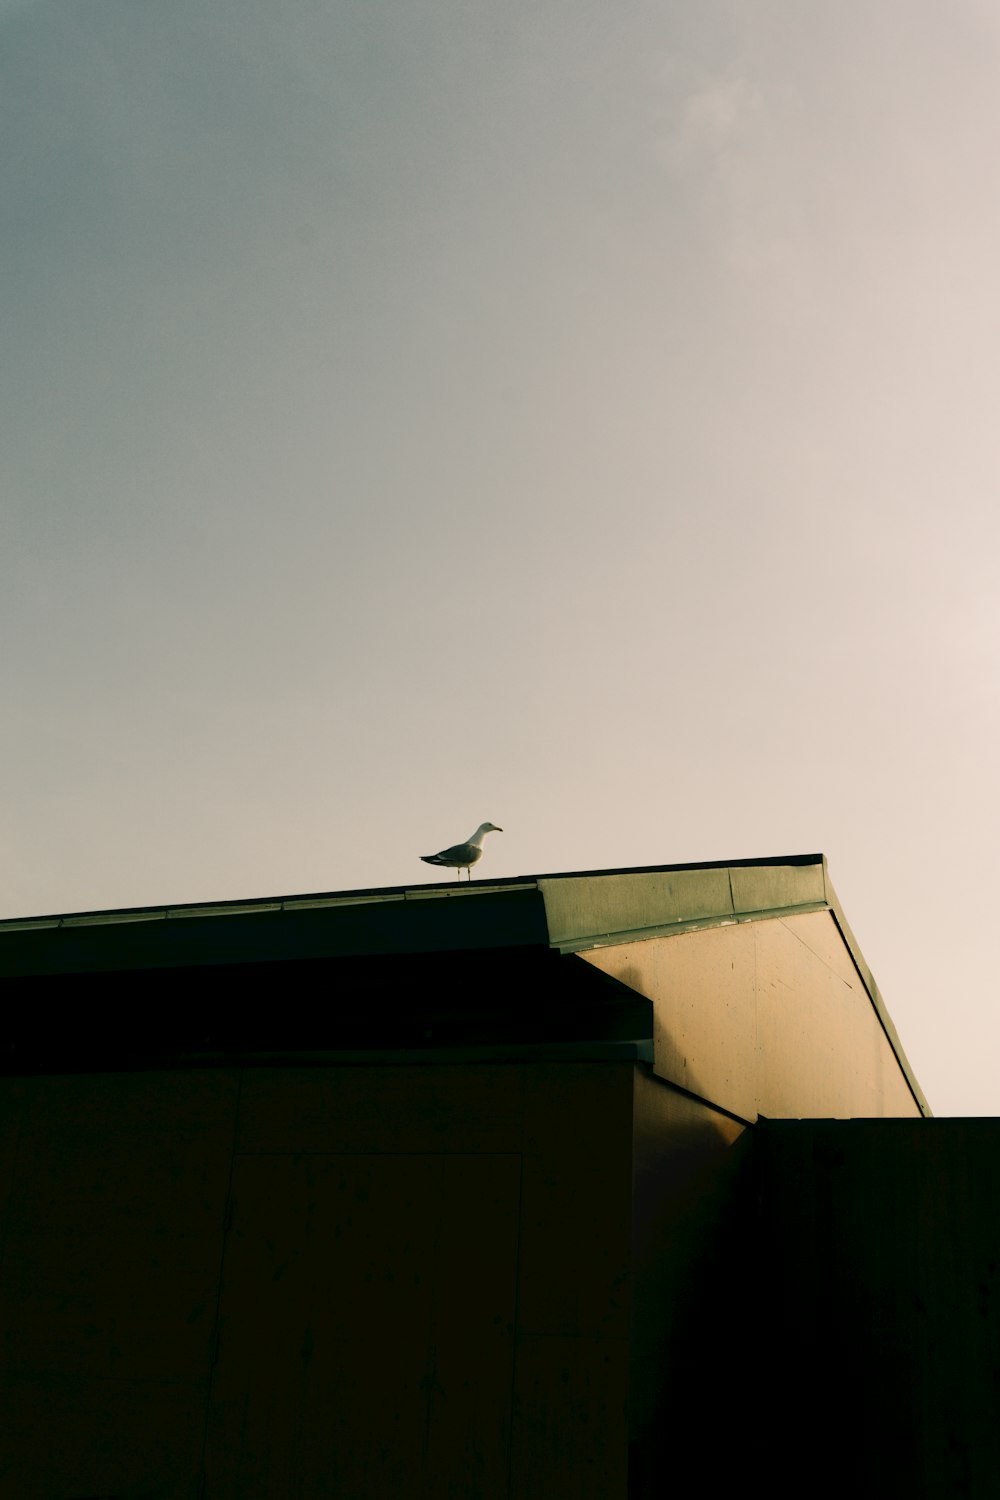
(461, 855)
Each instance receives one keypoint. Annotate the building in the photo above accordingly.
(453, 1190)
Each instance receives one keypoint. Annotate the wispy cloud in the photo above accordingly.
(708, 124)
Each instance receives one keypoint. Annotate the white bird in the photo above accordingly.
(463, 856)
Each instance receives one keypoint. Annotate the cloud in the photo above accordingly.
(708, 123)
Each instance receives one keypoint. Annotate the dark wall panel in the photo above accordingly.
(367, 1325)
(878, 1270)
(419, 1282)
(111, 1238)
(568, 1128)
(396, 1109)
(570, 1428)
(689, 1293)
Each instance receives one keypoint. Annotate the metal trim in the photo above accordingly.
(675, 929)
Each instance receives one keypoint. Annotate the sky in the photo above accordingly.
(574, 416)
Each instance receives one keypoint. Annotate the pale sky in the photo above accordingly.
(572, 415)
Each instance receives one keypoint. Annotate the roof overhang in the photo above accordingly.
(407, 941)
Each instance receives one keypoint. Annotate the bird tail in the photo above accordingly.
(432, 859)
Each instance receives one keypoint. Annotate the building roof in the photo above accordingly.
(373, 958)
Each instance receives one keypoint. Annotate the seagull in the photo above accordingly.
(463, 856)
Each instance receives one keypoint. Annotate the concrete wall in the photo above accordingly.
(769, 1017)
(689, 1296)
(352, 1281)
(112, 1201)
(876, 1258)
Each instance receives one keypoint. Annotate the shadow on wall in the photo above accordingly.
(692, 1291)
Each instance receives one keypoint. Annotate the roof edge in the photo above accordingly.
(425, 890)
(874, 994)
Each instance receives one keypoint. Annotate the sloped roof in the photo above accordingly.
(565, 913)
(568, 910)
